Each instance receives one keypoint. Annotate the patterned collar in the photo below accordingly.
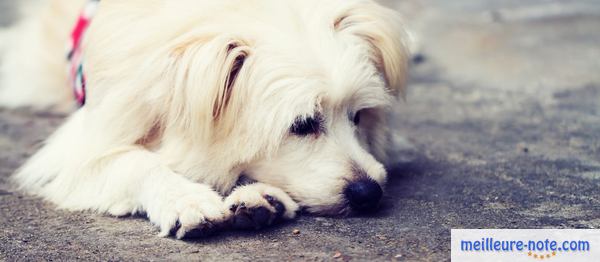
(75, 54)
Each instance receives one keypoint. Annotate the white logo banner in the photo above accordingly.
(515, 245)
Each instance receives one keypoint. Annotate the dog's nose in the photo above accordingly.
(363, 195)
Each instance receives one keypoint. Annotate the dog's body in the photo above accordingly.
(184, 96)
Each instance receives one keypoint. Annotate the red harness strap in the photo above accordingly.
(75, 55)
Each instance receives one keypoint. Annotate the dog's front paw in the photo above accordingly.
(198, 217)
(258, 205)
(190, 213)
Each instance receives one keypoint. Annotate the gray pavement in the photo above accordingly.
(501, 129)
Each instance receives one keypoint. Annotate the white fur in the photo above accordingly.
(162, 130)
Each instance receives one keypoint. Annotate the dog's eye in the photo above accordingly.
(307, 126)
(356, 118)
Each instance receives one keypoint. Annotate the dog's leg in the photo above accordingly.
(178, 206)
(258, 205)
(129, 180)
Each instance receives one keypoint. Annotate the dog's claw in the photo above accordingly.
(202, 230)
(242, 221)
(252, 218)
(279, 207)
(175, 228)
(257, 217)
(259, 205)
(270, 199)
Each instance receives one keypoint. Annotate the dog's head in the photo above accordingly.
(297, 93)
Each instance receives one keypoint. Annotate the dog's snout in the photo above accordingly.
(363, 195)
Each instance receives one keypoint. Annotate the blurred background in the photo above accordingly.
(500, 129)
(531, 46)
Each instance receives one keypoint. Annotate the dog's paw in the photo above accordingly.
(198, 217)
(259, 205)
(192, 214)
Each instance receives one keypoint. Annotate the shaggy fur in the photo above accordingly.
(184, 96)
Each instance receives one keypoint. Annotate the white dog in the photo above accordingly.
(183, 97)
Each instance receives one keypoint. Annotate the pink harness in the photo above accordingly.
(75, 55)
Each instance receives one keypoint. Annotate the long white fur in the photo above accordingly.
(163, 133)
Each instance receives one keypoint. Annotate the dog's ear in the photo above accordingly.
(383, 30)
(234, 58)
(207, 70)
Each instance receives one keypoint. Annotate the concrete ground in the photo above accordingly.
(501, 129)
